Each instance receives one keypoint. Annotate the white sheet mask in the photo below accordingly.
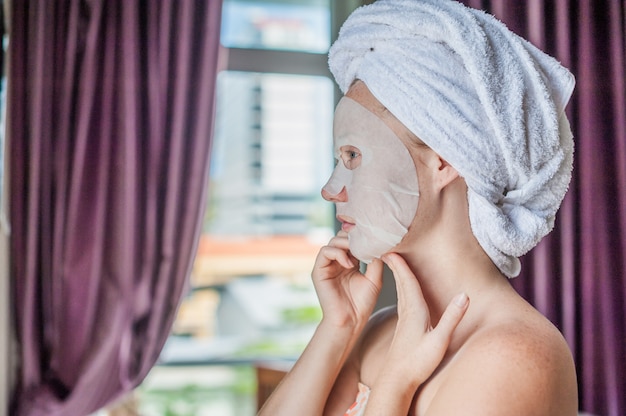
(382, 192)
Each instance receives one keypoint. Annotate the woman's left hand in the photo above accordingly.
(417, 348)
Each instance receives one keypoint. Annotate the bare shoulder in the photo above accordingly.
(517, 367)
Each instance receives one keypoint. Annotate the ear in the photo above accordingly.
(445, 173)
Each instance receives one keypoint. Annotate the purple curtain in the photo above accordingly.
(110, 114)
(577, 276)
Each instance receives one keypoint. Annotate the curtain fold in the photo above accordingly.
(110, 115)
(577, 275)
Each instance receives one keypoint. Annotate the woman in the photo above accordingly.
(454, 154)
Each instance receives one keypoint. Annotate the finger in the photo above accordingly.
(407, 287)
(340, 241)
(374, 272)
(342, 233)
(451, 317)
(328, 254)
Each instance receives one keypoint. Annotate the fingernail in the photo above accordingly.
(461, 300)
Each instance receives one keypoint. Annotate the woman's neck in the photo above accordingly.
(445, 270)
(445, 256)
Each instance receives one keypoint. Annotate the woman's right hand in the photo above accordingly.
(347, 298)
(346, 295)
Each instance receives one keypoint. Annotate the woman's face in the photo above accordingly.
(374, 184)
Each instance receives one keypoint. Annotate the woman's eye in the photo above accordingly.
(351, 157)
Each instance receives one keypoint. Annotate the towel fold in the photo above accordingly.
(483, 98)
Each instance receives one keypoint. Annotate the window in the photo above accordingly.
(271, 154)
(251, 297)
(3, 147)
(300, 26)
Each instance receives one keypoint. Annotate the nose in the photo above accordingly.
(342, 196)
(335, 188)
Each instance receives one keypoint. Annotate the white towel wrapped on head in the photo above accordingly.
(486, 100)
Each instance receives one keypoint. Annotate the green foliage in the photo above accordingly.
(194, 399)
(302, 315)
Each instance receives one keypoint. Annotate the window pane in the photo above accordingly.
(288, 25)
(271, 155)
(252, 295)
(3, 87)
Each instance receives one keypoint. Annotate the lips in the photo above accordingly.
(347, 223)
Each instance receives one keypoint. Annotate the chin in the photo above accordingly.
(366, 250)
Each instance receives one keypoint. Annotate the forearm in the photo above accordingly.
(391, 396)
(305, 389)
